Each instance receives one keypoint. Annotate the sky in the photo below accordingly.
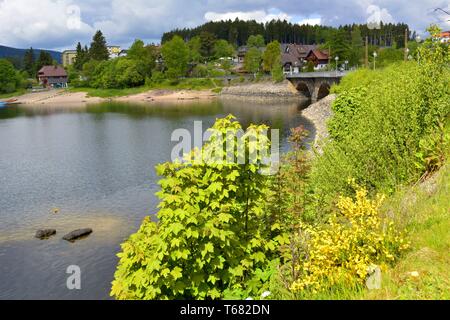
(60, 24)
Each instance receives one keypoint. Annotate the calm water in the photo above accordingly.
(97, 167)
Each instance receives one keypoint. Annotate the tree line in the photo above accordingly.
(238, 31)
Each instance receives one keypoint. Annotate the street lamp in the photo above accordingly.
(418, 39)
(346, 64)
(337, 61)
(375, 55)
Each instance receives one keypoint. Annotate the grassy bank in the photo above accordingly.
(423, 272)
(12, 94)
(184, 84)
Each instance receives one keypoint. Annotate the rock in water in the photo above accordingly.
(45, 233)
(77, 234)
(373, 281)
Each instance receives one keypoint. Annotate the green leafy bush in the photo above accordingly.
(10, 79)
(117, 73)
(214, 238)
(379, 120)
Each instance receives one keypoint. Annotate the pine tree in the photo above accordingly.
(82, 57)
(357, 50)
(28, 62)
(98, 50)
(45, 59)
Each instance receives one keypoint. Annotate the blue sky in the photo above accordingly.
(59, 24)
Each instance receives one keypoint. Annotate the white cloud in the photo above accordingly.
(44, 23)
(311, 21)
(40, 23)
(377, 15)
(257, 15)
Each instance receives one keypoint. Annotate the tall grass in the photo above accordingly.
(380, 119)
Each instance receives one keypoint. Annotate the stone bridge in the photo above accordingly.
(315, 85)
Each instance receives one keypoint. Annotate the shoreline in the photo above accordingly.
(319, 113)
(61, 98)
(268, 90)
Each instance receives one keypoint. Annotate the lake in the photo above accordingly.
(96, 165)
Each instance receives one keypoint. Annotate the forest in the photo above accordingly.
(238, 31)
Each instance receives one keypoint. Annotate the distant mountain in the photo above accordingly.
(16, 55)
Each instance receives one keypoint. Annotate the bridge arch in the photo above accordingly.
(305, 89)
(315, 85)
(323, 90)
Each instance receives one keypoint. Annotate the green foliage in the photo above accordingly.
(194, 46)
(340, 45)
(29, 63)
(82, 57)
(388, 56)
(272, 56)
(157, 77)
(310, 66)
(117, 73)
(277, 73)
(433, 151)
(237, 32)
(143, 56)
(98, 50)
(356, 51)
(200, 71)
(207, 44)
(222, 49)
(287, 201)
(346, 247)
(45, 59)
(214, 238)
(10, 79)
(176, 57)
(252, 60)
(380, 119)
(256, 41)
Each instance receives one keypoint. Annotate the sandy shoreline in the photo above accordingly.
(61, 98)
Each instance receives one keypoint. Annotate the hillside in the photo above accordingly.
(17, 54)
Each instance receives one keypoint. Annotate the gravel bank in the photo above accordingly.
(319, 113)
(257, 91)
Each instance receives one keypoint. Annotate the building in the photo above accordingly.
(114, 51)
(69, 57)
(293, 56)
(320, 58)
(123, 53)
(445, 37)
(53, 77)
(242, 51)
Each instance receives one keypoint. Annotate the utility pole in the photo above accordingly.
(367, 53)
(406, 44)
(329, 55)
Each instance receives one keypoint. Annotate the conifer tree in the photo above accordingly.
(98, 50)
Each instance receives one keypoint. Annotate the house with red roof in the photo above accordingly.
(320, 58)
(53, 77)
(445, 36)
(293, 56)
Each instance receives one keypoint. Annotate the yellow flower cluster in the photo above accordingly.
(344, 248)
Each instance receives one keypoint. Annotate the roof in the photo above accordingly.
(52, 71)
(320, 55)
(69, 51)
(242, 50)
(445, 34)
(292, 53)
